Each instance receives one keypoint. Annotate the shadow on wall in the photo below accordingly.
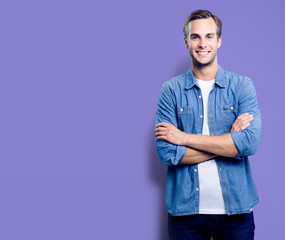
(182, 66)
(157, 173)
(157, 170)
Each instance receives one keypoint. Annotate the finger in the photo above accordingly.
(234, 125)
(160, 133)
(243, 115)
(159, 129)
(244, 119)
(163, 124)
(241, 125)
(247, 119)
(160, 138)
(250, 116)
(245, 126)
(237, 125)
(242, 122)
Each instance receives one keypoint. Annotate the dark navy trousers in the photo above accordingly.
(217, 227)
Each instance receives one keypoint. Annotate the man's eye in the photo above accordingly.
(210, 37)
(194, 37)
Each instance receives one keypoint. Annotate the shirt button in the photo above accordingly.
(210, 114)
(197, 189)
(200, 96)
(201, 116)
(232, 107)
(181, 109)
(220, 169)
(195, 170)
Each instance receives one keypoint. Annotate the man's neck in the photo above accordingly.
(205, 73)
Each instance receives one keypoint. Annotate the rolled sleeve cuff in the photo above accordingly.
(180, 152)
(170, 154)
(239, 141)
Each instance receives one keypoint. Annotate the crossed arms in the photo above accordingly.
(201, 147)
(177, 147)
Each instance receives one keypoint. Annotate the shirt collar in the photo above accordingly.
(191, 81)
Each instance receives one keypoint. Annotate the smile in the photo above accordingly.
(203, 53)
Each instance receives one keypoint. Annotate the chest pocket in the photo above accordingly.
(185, 118)
(229, 113)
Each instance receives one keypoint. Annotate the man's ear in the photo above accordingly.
(186, 43)
(219, 42)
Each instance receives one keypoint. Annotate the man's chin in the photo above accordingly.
(201, 64)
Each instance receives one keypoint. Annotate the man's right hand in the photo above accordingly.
(242, 122)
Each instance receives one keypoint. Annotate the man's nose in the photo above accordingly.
(202, 43)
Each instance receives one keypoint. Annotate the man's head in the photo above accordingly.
(201, 14)
(202, 37)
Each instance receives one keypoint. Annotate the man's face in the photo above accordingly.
(203, 42)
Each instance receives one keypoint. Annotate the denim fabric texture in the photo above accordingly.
(180, 103)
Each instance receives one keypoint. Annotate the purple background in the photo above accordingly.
(79, 83)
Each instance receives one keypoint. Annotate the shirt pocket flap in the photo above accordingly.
(229, 108)
(184, 110)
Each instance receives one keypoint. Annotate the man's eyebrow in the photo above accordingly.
(196, 34)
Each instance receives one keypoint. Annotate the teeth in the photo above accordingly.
(203, 53)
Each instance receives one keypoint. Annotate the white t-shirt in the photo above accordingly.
(211, 197)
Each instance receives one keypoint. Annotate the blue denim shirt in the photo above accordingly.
(180, 103)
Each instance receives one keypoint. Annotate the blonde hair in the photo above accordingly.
(201, 14)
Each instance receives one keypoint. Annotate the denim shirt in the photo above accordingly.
(180, 103)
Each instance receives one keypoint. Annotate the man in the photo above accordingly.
(207, 124)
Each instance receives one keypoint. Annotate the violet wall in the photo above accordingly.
(79, 82)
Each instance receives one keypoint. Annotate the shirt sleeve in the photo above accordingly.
(169, 154)
(247, 141)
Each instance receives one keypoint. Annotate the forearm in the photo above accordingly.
(202, 147)
(218, 145)
(193, 156)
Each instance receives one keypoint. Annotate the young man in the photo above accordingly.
(207, 124)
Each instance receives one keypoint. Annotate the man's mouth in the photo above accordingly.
(203, 53)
